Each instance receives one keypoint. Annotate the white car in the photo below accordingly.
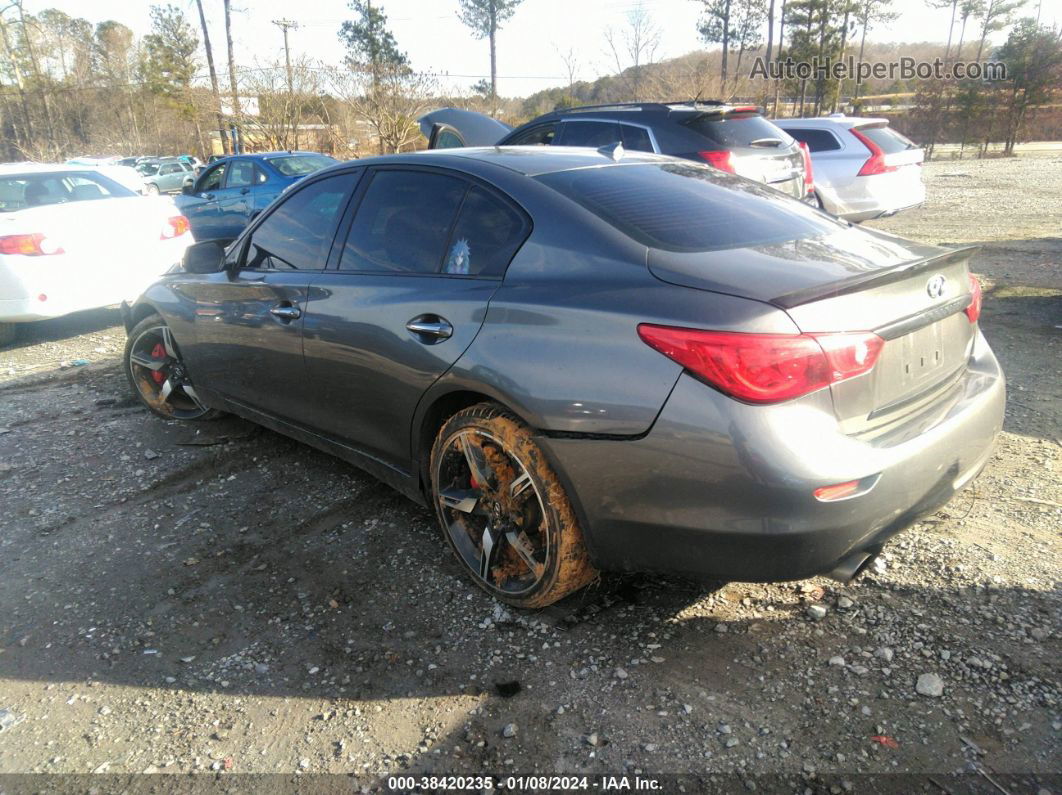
(862, 167)
(123, 175)
(71, 238)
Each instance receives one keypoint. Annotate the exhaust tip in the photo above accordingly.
(852, 566)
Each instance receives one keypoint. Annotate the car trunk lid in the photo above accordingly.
(855, 280)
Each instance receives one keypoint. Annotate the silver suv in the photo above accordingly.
(862, 167)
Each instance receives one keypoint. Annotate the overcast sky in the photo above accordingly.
(429, 31)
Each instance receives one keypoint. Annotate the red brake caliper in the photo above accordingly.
(158, 352)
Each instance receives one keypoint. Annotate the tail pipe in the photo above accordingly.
(854, 564)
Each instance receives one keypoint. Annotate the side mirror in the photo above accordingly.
(205, 257)
(188, 190)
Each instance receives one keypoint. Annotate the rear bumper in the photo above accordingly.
(864, 198)
(38, 288)
(722, 489)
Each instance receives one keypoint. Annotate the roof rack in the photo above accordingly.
(662, 106)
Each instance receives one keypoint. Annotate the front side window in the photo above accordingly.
(297, 234)
(487, 234)
(403, 223)
(212, 179)
(541, 135)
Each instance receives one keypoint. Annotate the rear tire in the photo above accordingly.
(503, 510)
(157, 376)
(8, 331)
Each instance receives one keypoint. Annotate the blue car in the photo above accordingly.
(232, 191)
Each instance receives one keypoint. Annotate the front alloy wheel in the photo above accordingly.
(504, 512)
(157, 373)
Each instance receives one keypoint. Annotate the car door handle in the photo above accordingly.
(208, 196)
(245, 191)
(286, 311)
(432, 326)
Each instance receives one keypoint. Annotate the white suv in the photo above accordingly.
(862, 168)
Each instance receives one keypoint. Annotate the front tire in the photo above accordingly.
(157, 375)
(503, 510)
(152, 189)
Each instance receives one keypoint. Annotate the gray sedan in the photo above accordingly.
(584, 361)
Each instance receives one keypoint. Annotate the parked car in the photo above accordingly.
(863, 168)
(733, 138)
(169, 175)
(72, 238)
(111, 167)
(582, 362)
(236, 189)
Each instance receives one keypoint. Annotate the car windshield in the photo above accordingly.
(22, 191)
(737, 129)
(301, 165)
(689, 207)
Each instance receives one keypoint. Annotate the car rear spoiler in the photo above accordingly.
(874, 278)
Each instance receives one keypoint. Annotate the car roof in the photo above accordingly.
(46, 168)
(527, 160)
(834, 120)
(660, 110)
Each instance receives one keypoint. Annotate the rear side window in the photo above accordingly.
(680, 207)
(817, 140)
(19, 191)
(589, 133)
(736, 129)
(487, 235)
(241, 174)
(403, 223)
(541, 135)
(297, 234)
(887, 139)
(636, 139)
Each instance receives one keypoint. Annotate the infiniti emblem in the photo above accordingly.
(935, 286)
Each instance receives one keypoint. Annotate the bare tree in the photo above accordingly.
(213, 78)
(232, 74)
(632, 47)
(389, 109)
(571, 67)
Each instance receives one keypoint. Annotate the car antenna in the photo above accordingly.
(614, 151)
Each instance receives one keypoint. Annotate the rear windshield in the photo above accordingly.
(737, 129)
(21, 191)
(301, 165)
(688, 207)
(888, 139)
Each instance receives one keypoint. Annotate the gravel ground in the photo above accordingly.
(227, 601)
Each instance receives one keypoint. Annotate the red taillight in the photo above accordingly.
(174, 227)
(876, 162)
(973, 311)
(809, 182)
(765, 368)
(35, 245)
(721, 160)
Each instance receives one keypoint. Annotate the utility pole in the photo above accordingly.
(286, 25)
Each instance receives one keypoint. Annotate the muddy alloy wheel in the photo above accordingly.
(157, 374)
(504, 512)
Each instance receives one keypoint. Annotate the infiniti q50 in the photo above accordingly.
(583, 361)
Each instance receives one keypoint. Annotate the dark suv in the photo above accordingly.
(734, 138)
